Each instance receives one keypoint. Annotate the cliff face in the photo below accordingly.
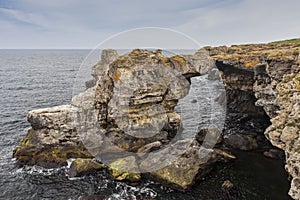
(270, 72)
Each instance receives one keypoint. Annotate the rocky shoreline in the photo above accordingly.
(258, 78)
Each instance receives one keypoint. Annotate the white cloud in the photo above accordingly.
(249, 21)
(76, 23)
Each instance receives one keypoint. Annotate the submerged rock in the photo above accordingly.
(275, 154)
(242, 142)
(209, 137)
(93, 197)
(229, 191)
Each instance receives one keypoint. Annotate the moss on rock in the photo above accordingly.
(31, 152)
(83, 166)
(125, 169)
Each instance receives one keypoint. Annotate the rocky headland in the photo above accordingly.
(127, 115)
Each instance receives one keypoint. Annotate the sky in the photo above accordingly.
(68, 24)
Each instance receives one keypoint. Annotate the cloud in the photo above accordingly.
(76, 23)
(246, 22)
(21, 18)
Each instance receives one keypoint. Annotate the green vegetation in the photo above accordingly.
(290, 41)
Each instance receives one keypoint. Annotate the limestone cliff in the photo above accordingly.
(270, 72)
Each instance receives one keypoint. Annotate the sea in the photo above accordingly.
(33, 79)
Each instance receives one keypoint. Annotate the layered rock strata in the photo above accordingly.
(129, 106)
(270, 73)
(126, 120)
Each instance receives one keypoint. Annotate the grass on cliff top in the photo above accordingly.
(290, 41)
(250, 55)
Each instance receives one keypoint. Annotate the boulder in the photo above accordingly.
(242, 142)
(81, 166)
(187, 168)
(125, 169)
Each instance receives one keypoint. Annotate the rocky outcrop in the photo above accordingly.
(126, 120)
(107, 56)
(51, 140)
(270, 73)
(195, 162)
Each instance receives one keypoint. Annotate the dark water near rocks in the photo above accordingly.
(32, 79)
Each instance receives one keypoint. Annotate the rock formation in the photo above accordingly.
(126, 120)
(127, 115)
(83, 166)
(51, 140)
(270, 72)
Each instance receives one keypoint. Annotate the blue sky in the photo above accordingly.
(84, 24)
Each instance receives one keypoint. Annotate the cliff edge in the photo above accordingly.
(270, 72)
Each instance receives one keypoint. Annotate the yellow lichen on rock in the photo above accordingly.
(82, 166)
(25, 142)
(125, 169)
(117, 75)
(249, 56)
(181, 61)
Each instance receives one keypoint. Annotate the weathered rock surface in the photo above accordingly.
(107, 56)
(285, 129)
(125, 169)
(213, 74)
(52, 139)
(270, 72)
(84, 166)
(129, 107)
(126, 113)
(196, 162)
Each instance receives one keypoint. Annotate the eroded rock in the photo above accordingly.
(125, 169)
(184, 171)
(107, 56)
(84, 166)
(271, 73)
(128, 107)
